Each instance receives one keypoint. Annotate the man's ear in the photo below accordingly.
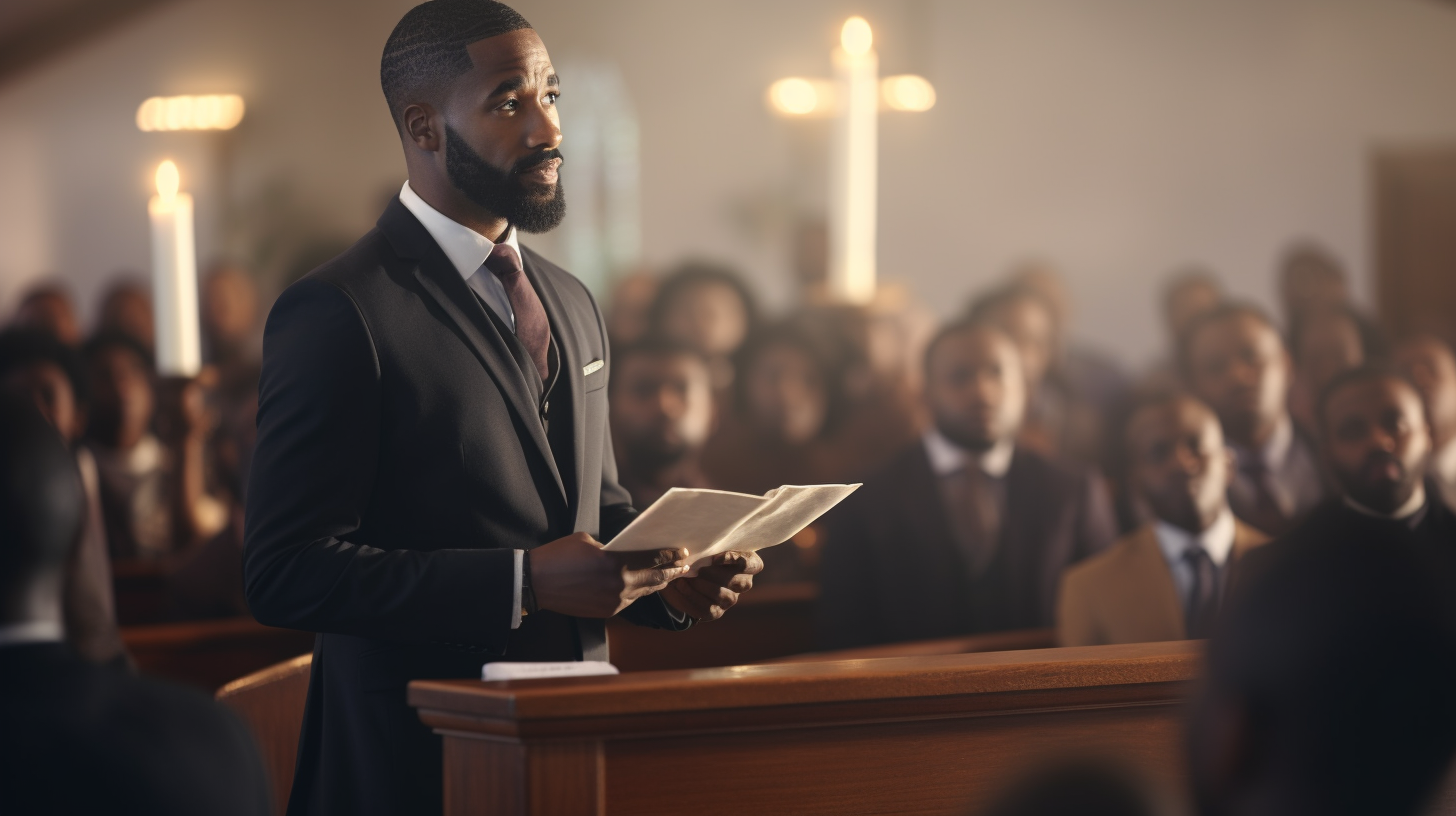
(421, 126)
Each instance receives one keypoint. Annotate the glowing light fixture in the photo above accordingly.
(855, 37)
(797, 96)
(174, 277)
(907, 92)
(212, 112)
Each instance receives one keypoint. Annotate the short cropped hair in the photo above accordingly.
(653, 345)
(1357, 376)
(426, 50)
(1219, 314)
(690, 274)
(954, 328)
(984, 306)
(112, 338)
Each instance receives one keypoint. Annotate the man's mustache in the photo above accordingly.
(530, 162)
(1380, 459)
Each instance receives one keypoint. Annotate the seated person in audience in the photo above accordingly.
(1328, 683)
(1428, 363)
(36, 365)
(628, 307)
(1059, 421)
(966, 531)
(1377, 448)
(783, 403)
(1188, 293)
(49, 308)
(1234, 360)
(709, 308)
(1324, 342)
(1165, 580)
(127, 308)
(82, 738)
(152, 492)
(661, 412)
(1310, 277)
(232, 349)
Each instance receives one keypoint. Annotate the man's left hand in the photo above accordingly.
(716, 587)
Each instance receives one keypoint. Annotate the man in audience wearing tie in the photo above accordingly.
(79, 737)
(964, 531)
(1235, 361)
(1165, 580)
(433, 474)
(1377, 447)
(1427, 361)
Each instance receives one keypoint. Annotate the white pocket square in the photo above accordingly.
(594, 365)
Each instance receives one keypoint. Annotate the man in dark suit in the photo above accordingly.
(433, 471)
(80, 737)
(964, 531)
(1377, 446)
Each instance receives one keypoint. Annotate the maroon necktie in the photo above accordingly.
(532, 327)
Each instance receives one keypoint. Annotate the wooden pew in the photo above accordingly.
(771, 621)
(931, 734)
(271, 703)
(209, 653)
(969, 644)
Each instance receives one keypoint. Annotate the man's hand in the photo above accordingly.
(716, 587)
(575, 576)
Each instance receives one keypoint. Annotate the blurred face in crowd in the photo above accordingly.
(1179, 463)
(229, 306)
(631, 301)
(1431, 367)
(1238, 366)
(1032, 327)
(1188, 299)
(661, 407)
(787, 396)
(709, 316)
(122, 397)
(1376, 442)
(975, 388)
(51, 312)
(1328, 344)
(48, 384)
(1312, 282)
(128, 309)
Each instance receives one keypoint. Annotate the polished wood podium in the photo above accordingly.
(931, 735)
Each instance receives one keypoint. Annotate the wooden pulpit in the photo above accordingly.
(931, 735)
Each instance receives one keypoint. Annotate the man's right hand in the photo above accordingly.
(575, 576)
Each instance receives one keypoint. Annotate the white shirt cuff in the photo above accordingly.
(516, 591)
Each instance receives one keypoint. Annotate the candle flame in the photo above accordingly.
(168, 181)
(855, 37)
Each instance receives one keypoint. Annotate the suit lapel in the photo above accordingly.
(1148, 573)
(568, 377)
(440, 280)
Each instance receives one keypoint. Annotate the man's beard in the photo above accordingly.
(502, 192)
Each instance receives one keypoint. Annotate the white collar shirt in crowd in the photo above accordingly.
(946, 457)
(1175, 542)
(1412, 506)
(19, 634)
(467, 251)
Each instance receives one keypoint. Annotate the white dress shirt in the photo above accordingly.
(467, 251)
(1412, 506)
(946, 457)
(17, 634)
(1217, 541)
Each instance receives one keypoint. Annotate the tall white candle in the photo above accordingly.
(174, 277)
(853, 166)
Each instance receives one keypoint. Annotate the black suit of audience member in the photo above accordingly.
(78, 737)
(902, 560)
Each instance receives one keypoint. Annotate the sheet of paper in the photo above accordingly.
(691, 518)
(788, 510)
(537, 671)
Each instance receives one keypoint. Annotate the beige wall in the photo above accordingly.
(1116, 138)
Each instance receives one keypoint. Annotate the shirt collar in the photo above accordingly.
(946, 457)
(1412, 506)
(466, 248)
(1217, 540)
(17, 634)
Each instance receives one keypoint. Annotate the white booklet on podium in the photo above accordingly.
(708, 522)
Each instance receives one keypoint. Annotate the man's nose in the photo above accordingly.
(544, 133)
(1188, 460)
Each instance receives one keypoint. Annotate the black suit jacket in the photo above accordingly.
(76, 737)
(402, 455)
(892, 570)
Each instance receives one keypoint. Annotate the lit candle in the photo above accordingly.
(174, 277)
(853, 160)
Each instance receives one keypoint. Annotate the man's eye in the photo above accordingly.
(509, 104)
(552, 97)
